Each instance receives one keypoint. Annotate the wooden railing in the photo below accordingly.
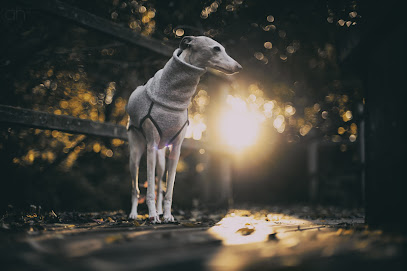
(43, 120)
(119, 32)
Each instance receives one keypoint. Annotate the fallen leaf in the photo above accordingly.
(113, 238)
(245, 231)
(141, 199)
(273, 237)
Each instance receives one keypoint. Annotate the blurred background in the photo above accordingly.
(288, 129)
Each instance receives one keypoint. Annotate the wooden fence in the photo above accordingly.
(43, 120)
(10, 115)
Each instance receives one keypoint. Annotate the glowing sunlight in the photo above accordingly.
(238, 126)
(242, 227)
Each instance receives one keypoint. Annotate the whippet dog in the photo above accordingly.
(158, 117)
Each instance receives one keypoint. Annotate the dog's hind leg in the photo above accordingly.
(160, 175)
(137, 145)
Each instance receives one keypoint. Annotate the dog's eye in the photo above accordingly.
(216, 49)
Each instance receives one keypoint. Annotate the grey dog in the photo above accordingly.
(158, 117)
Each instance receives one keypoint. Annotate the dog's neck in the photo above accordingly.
(193, 59)
(174, 85)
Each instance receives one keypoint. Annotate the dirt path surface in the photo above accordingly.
(296, 238)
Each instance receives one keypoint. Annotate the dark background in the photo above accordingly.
(318, 63)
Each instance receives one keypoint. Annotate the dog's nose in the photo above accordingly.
(238, 67)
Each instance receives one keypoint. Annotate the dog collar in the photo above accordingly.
(176, 55)
(174, 85)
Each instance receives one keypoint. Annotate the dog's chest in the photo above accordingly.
(168, 122)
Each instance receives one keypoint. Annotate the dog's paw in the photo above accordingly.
(169, 219)
(133, 216)
(154, 219)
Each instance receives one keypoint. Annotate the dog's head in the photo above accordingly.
(204, 52)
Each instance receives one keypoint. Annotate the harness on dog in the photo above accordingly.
(165, 98)
(148, 116)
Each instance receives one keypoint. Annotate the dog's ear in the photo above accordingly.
(185, 42)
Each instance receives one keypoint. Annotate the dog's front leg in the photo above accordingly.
(172, 168)
(137, 146)
(153, 138)
(150, 198)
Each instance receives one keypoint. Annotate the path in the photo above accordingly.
(298, 239)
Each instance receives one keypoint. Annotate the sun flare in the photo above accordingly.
(238, 126)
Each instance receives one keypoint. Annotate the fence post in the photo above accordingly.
(226, 180)
(219, 186)
(362, 150)
(313, 171)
